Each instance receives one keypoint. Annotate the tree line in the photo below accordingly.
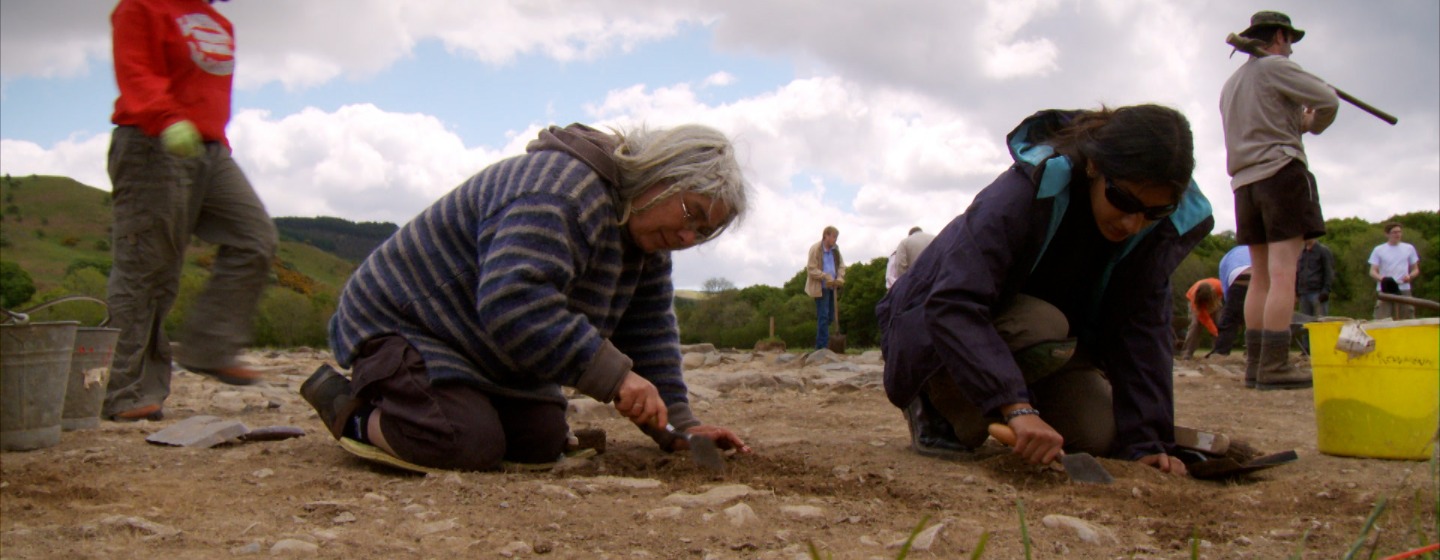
(295, 310)
(739, 318)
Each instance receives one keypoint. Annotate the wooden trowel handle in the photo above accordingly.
(1005, 435)
(1002, 434)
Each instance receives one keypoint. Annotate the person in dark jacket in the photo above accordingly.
(546, 270)
(1314, 279)
(1046, 305)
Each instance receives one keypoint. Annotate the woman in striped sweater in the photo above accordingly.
(546, 270)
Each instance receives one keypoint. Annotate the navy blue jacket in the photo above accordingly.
(938, 318)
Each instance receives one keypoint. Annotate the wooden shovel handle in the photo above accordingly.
(1252, 48)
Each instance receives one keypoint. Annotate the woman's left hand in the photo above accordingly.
(723, 438)
(1165, 463)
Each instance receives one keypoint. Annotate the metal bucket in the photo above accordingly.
(89, 370)
(34, 362)
(89, 375)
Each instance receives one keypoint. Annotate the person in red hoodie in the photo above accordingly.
(173, 177)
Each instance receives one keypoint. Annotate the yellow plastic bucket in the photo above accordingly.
(1385, 403)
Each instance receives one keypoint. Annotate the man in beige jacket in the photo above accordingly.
(825, 274)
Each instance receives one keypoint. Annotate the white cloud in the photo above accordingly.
(80, 158)
(718, 79)
(358, 162)
(895, 116)
(54, 38)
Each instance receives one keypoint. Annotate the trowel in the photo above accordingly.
(1082, 467)
(703, 451)
(1226, 467)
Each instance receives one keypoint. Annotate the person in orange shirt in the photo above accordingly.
(1205, 300)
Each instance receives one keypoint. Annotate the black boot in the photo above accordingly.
(931, 434)
(329, 393)
(1252, 356)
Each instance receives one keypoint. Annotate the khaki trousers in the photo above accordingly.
(1075, 399)
(159, 202)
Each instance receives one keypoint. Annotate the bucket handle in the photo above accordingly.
(23, 317)
(14, 318)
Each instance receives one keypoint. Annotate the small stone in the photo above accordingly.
(436, 527)
(294, 547)
(557, 491)
(1087, 532)
(245, 550)
(670, 512)
(802, 512)
(741, 515)
(716, 496)
(344, 517)
(515, 547)
(263, 473)
(923, 541)
(373, 497)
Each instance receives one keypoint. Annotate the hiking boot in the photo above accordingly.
(1252, 356)
(147, 412)
(233, 375)
(329, 393)
(931, 434)
(1276, 371)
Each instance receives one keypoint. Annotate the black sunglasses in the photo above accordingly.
(1127, 203)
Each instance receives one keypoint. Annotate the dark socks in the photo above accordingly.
(357, 427)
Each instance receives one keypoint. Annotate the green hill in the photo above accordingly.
(51, 223)
(58, 232)
(343, 238)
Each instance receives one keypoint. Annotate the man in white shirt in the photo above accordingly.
(1398, 261)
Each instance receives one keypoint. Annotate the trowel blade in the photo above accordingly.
(706, 454)
(1084, 467)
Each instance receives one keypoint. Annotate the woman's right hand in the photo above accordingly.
(639, 400)
(1035, 440)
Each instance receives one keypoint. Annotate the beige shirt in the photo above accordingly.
(909, 250)
(1262, 107)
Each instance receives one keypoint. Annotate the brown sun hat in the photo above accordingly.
(1274, 19)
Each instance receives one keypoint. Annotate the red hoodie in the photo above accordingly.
(174, 60)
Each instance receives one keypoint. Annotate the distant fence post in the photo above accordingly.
(772, 326)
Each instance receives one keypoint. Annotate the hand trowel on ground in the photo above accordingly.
(702, 449)
(1082, 467)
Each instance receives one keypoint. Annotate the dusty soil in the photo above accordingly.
(830, 469)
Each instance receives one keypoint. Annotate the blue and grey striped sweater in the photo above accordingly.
(520, 281)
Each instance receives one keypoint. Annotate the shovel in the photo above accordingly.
(1082, 467)
(837, 338)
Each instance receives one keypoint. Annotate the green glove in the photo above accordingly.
(182, 140)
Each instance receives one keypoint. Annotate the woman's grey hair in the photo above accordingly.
(689, 157)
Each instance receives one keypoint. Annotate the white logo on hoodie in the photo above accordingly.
(211, 47)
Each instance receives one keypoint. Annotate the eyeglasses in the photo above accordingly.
(702, 232)
(1127, 203)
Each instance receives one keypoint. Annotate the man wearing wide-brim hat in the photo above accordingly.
(1265, 106)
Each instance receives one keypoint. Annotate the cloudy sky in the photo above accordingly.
(870, 115)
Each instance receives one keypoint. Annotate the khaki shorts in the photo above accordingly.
(1283, 206)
